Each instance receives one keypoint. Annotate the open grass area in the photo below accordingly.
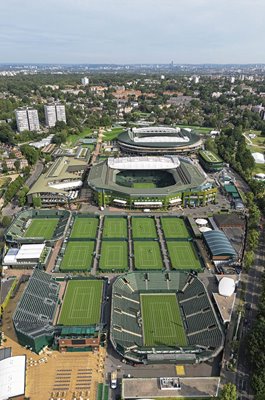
(199, 129)
(82, 303)
(84, 228)
(113, 134)
(162, 322)
(114, 256)
(42, 228)
(147, 255)
(115, 228)
(78, 256)
(174, 228)
(143, 228)
(183, 255)
(73, 139)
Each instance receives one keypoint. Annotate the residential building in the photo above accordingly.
(54, 113)
(27, 119)
(85, 81)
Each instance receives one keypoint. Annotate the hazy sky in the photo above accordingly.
(132, 31)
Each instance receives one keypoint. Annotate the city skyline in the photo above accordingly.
(193, 31)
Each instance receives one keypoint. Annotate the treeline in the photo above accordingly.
(253, 232)
(256, 348)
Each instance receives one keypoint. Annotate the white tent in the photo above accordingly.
(12, 377)
(201, 221)
(204, 229)
(226, 287)
(259, 158)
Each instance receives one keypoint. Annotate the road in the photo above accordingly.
(38, 168)
(253, 289)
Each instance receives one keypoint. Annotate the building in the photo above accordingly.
(85, 81)
(219, 246)
(27, 119)
(210, 161)
(12, 377)
(27, 256)
(150, 182)
(60, 184)
(54, 113)
(159, 140)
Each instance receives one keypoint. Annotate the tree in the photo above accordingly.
(31, 154)
(6, 221)
(17, 165)
(228, 392)
(36, 202)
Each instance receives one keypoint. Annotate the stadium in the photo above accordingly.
(37, 226)
(150, 182)
(159, 140)
(164, 317)
(69, 318)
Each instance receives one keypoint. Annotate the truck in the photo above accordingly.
(113, 380)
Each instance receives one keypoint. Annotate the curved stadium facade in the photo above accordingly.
(159, 140)
(164, 317)
(150, 182)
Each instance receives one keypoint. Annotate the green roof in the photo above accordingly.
(210, 157)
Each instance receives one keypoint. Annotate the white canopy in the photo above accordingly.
(143, 163)
(226, 287)
(259, 158)
(12, 377)
(201, 221)
(204, 229)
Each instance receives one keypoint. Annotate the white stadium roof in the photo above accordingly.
(201, 221)
(143, 163)
(161, 139)
(12, 377)
(156, 129)
(26, 252)
(226, 287)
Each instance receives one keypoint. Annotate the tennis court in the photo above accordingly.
(114, 256)
(78, 256)
(174, 228)
(147, 255)
(183, 255)
(162, 322)
(115, 228)
(84, 228)
(82, 303)
(143, 228)
(42, 228)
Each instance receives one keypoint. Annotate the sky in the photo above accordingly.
(132, 31)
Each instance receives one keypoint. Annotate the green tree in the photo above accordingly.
(6, 221)
(228, 392)
(17, 165)
(37, 202)
(31, 154)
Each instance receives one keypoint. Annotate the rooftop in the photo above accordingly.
(219, 244)
(143, 163)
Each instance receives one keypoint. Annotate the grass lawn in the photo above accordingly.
(143, 228)
(183, 255)
(115, 227)
(73, 139)
(144, 185)
(42, 228)
(147, 255)
(162, 323)
(113, 134)
(84, 227)
(114, 256)
(82, 303)
(78, 256)
(174, 228)
(199, 129)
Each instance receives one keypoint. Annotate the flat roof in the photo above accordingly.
(59, 177)
(143, 163)
(12, 377)
(148, 388)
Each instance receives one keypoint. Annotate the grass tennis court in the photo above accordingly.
(115, 228)
(78, 256)
(42, 227)
(114, 256)
(143, 228)
(162, 322)
(147, 255)
(82, 303)
(84, 228)
(174, 228)
(183, 255)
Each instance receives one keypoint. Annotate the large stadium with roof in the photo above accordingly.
(159, 140)
(164, 317)
(150, 182)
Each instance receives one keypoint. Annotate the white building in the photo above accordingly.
(54, 113)
(85, 81)
(27, 119)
